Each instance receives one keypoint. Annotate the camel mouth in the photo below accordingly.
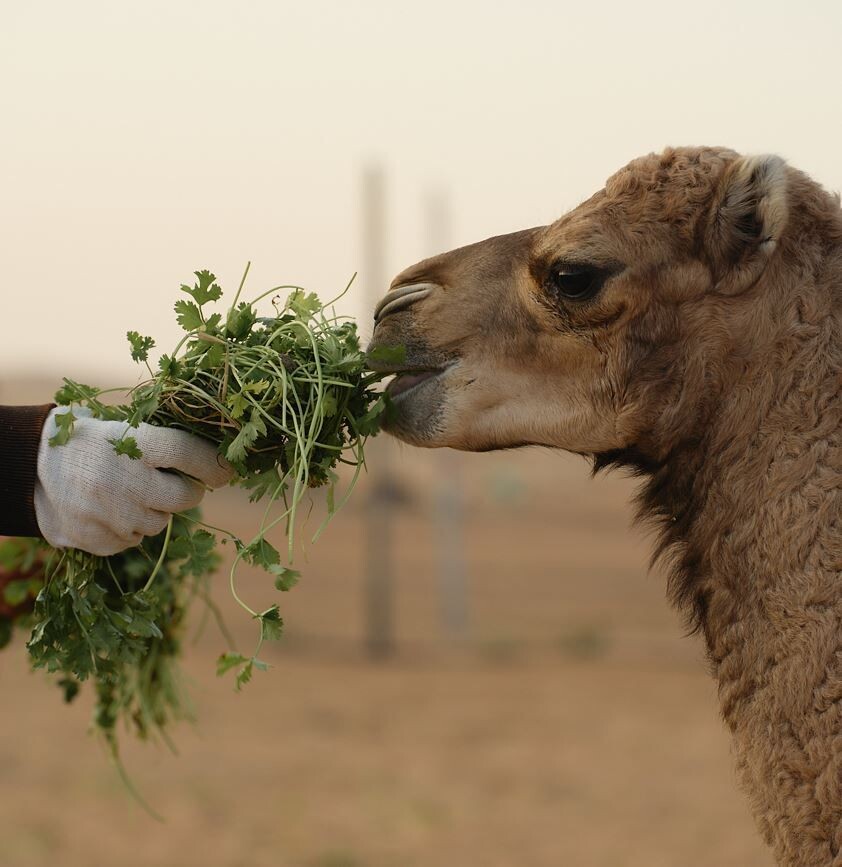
(409, 380)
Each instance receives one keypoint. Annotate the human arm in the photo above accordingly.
(20, 437)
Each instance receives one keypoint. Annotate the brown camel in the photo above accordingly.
(684, 322)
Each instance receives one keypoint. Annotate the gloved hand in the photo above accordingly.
(89, 497)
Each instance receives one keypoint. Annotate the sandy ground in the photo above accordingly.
(572, 724)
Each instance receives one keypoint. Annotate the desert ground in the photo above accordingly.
(570, 723)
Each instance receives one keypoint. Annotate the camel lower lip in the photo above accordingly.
(405, 382)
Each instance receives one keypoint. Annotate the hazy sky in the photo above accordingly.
(141, 141)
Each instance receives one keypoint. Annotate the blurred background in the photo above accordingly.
(479, 667)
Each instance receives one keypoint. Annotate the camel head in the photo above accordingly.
(602, 332)
(684, 321)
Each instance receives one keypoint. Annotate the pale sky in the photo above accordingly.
(141, 141)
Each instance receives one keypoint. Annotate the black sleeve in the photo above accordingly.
(20, 436)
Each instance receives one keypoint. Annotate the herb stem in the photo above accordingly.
(162, 556)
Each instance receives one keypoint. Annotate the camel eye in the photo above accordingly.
(575, 282)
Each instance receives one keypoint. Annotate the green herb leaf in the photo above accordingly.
(64, 422)
(213, 322)
(256, 386)
(75, 392)
(387, 355)
(188, 315)
(248, 435)
(261, 484)
(285, 578)
(227, 661)
(240, 320)
(140, 345)
(70, 688)
(271, 624)
(370, 423)
(144, 626)
(127, 446)
(238, 400)
(205, 288)
(238, 403)
(304, 304)
(146, 401)
(169, 367)
(214, 356)
(261, 553)
(244, 674)
(198, 551)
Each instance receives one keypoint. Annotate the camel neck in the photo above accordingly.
(762, 544)
(758, 528)
(752, 516)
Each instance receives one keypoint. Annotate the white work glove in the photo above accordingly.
(89, 497)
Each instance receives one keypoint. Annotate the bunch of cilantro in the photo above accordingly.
(286, 397)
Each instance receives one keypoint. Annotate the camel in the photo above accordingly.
(684, 323)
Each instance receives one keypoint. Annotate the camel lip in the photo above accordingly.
(408, 380)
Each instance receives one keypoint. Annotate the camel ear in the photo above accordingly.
(749, 212)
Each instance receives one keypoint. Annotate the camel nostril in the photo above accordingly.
(402, 297)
